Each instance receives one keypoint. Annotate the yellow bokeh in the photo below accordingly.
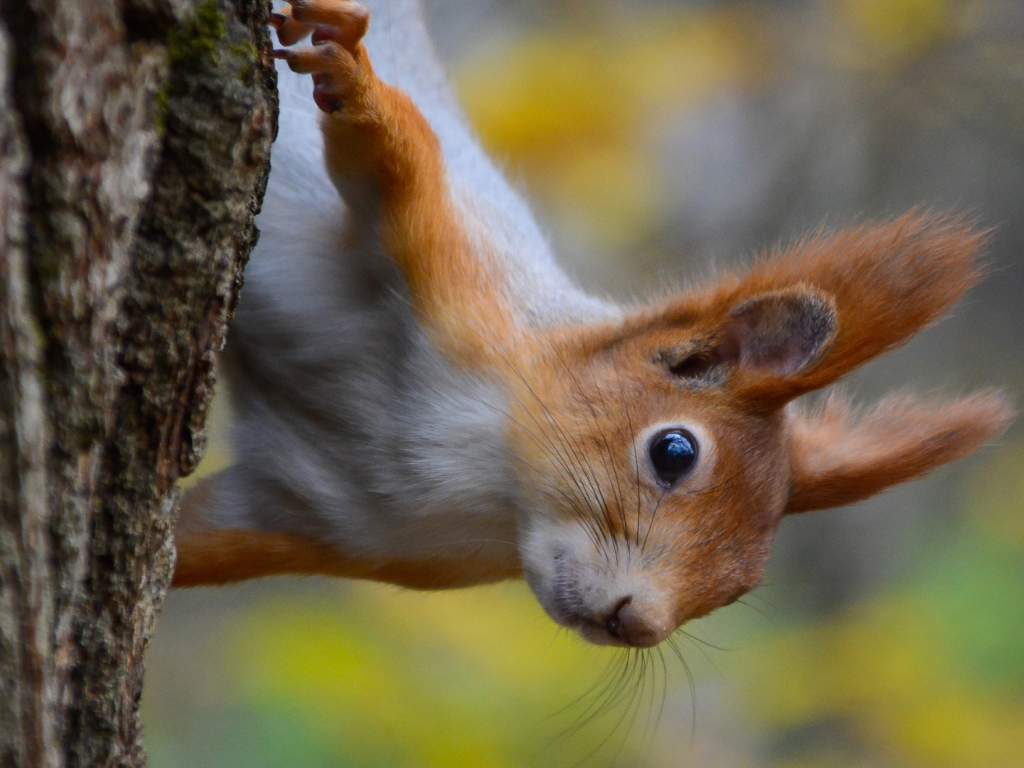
(577, 112)
(901, 28)
(894, 667)
(464, 678)
(883, 668)
(998, 497)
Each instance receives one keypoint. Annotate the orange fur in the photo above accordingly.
(226, 556)
(209, 557)
(381, 137)
(840, 459)
(887, 282)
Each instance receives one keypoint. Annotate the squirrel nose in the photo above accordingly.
(626, 623)
(613, 625)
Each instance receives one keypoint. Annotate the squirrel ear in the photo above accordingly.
(882, 283)
(801, 319)
(779, 333)
(839, 458)
(768, 338)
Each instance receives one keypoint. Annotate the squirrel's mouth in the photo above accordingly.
(619, 620)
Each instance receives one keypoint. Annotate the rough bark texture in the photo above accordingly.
(134, 148)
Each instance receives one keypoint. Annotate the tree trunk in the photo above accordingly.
(134, 149)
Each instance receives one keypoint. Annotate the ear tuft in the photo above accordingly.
(839, 458)
(801, 319)
(884, 283)
(780, 333)
(888, 281)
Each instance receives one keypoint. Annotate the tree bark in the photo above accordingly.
(134, 149)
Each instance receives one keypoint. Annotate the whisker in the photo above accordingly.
(561, 458)
(756, 610)
(611, 681)
(636, 457)
(591, 475)
(594, 421)
(693, 688)
(704, 642)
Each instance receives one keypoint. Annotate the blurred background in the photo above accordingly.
(657, 139)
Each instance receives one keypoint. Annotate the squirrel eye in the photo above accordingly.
(673, 453)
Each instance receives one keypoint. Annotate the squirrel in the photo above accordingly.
(424, 398)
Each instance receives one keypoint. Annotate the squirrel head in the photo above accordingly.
(657, 456)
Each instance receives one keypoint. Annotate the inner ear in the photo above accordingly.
(781, 333)
(771, 339)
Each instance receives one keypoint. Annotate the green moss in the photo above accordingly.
(246, 54)
(161, 107)
(39, 336)
(245, 50)
(194, 45)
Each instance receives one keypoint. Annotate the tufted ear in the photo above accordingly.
(839, 457)
(885, 282)
(802, 318)
(772, 336)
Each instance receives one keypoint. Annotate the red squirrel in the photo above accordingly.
(424, 398)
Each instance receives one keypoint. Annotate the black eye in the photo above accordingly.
(673, 454)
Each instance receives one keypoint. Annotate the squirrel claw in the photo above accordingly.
(289, 29)
(336, 59)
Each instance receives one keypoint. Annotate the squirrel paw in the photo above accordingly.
(337, 59)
